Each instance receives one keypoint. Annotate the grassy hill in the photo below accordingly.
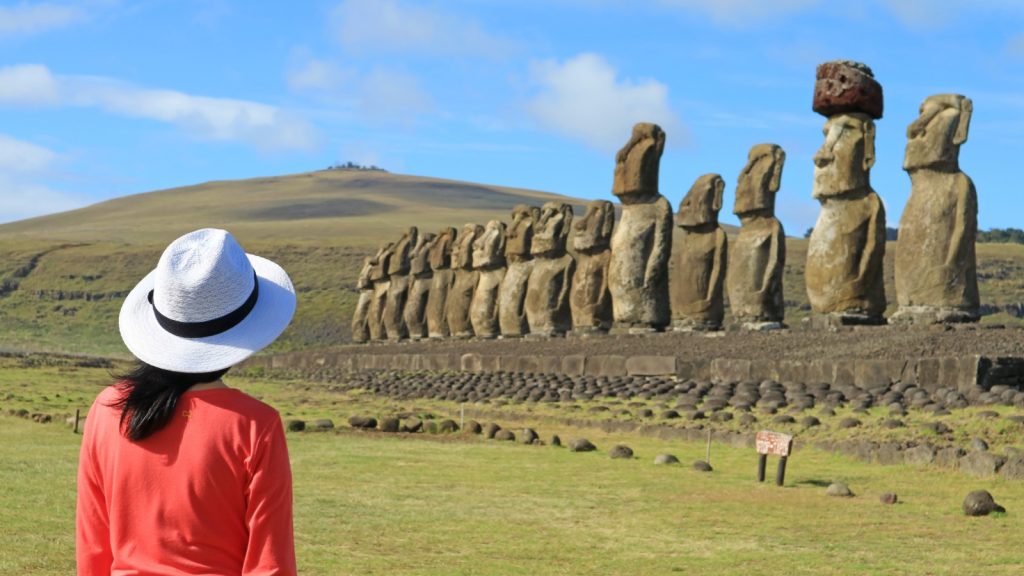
(63, 276)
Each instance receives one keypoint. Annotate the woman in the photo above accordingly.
(180, 474)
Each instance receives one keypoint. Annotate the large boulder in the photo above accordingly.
(621, 451)
(980, 503)
(364, 422)
(581, 445)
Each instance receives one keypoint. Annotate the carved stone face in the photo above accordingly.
(550, 232)
(382, 261)
(702, 202)
(594, 230)
(520, 233)
(441, 249)
(489, 247)
(462, 251)
(364, 275)
(637, 164)
(399, 263)
(843, 163)
(419, 260)
(934, 138)
(760, 179)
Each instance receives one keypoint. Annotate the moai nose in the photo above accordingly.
(823, 158)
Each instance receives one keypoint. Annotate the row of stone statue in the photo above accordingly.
(522, 279)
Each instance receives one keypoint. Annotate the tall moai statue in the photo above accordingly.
(443, 276)
(844, 276)
(381, 284)
(936, 269)
(398, 290)
(700, 259)
(547, 290)
(642, 242)
(460, 296)
(512, 293)
(758, 255)
(422, 276)
(361, 315)
(489, 261)
(590, 300)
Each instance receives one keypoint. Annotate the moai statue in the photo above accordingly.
(846, 249)
(489, 261)
(460, 296)
(758, 255)
(642, 242)
(547, 290)
(441, 265)
(936, 271)
(590, 300)
(398, 290)
(512, 294)
(419, 289)
(381, 284)
(361, 315)
(700, 259)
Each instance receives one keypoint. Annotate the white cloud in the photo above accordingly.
(227, 119)
(25, 19)
(21, 156)
(23, 166)
(392, 95)
(583, 99)
(742, 12)
(938, 13)
(388, 25)
(316, 75)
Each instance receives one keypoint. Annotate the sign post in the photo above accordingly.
(773, 443)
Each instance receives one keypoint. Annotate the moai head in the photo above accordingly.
(462, 250)
(636, 164)
(593, 232)
(702, 202)
(441, 249)
(520, 234)
(400, 260)
(419, 259)
(934, 139)
(382, 261)
(551, 230)
(489, 247)
(844, 161)
(364, 274)
(760, 180)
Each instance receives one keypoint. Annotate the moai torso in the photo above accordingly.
(421, 277)
(758, 255)
(440, 255)
(590, 300)
(489, 261)
(845, 252)
(381, 283)
(700, 258)
(547, 290)
(512, 293)
(642, 242)
(360, 327)
(936, 277)
(460, 296)
(398, 291)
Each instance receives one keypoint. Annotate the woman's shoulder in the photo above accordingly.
(237, 401)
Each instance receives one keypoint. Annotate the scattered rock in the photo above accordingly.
(980, 503)
(473, 427)
(556, 441)
(979, 445)
(810, 421)
(490, 430)
(888, 498)
(987, 414)
(447, 426)
(666, 459)
(892, 423)
(839, 489)
(702, 466)
(981, 463)
(390, 424)
(921, 454)
(412, 426)
(365, 422)
(937, 427)
(321, 424)
(296, 425)
(528, 436)
(849, 422)
(1013, 469)
(621, 451)
(505, 435)
(581, 445)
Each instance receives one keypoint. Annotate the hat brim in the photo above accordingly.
(150, 343)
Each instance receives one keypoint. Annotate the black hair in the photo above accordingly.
(150, 394)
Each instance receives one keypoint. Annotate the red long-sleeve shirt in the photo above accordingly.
(210, 494)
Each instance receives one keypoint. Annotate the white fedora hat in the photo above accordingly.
(207, 306)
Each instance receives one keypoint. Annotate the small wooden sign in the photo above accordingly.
(773, 443)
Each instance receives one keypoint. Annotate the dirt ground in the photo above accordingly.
(877, 342)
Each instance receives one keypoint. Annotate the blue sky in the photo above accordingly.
(103, 98)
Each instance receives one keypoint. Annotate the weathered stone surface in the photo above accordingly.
(473, 427)
(361, 315)
(980, 503)
(505, 435)
(981, 464)
(390, 424)
(398, 288)
(547, 290)
(440, 254)
(650, 365)
(581, 445)
(490, 430)
(843, 87)
(621, 451)
(844, 273)
(921, 454)
(666, 459)
(590, 301)
(381, 282)
(321, 424)
(365, 422)
(460, 296)
(512, 293)
(528, 436)
(1013, 469)
(889, 498)
(700, 259)
(489, 261)
(758, 255)
(936, 269)
(294, 425)
(421, 277)
(642, 242)
(702, 466)
(839, 489)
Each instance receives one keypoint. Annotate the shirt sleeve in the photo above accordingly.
(93, 553)
(268, 515)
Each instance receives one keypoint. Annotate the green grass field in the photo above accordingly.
(370, 503)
